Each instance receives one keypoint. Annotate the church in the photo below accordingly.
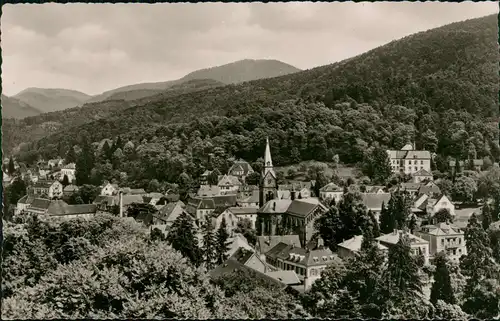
(284, 216)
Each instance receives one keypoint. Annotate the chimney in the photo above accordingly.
(120, 203)
(274, 206)
(292, 194)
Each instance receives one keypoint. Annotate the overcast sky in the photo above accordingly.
(97, 47)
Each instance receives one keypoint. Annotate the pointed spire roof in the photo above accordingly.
(268, 162)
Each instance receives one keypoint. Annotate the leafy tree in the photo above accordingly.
(387, 221)
(153, 185)
(377, 166)
(213, 178)
(135, 209)
(464, 189)
(443, 216)
(441, 287)
(183, 239)
(222, 244)
(253, 178)
(412, 224)
(328, 226)
(486, 219)
(71, 155)
(481, 293)
(157, 235)
(245, 228)
(11, 169)
(402, 281)
(84, 164)
(374, 224)
(209, 244)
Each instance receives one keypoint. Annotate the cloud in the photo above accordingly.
(97, 47)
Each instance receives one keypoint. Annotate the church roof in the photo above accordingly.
(268, 162)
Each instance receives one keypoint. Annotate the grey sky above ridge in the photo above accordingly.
(97, 47)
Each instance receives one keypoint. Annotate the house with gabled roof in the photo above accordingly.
(38, 206)
(477, 165)
(69, 170)
(422, 176)
(418, 245)
(225, 200)
(70, 190)
(431, 206)
(109, 189)
(408, 160)
(248, 199)
(49, 188)
(61, 209)
(240, 169)
(168, 213)
(221, 213)
(208, 191)
(58, 162)
(431, 189)
(200, 207)
(374, 201)
(249, 258)
(444, 237)
(350, 247)
(23, 203)
(242, 213)
(331, 192)
(231, 266)
(307, 264)
(375, 189)
(229, 184)
(267, 242)
(409, 187)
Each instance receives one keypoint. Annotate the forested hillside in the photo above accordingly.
(30, 129)
(14, 108)
(439, 88)
(49, 99)
(235, 72)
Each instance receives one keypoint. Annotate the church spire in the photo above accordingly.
(268, 162)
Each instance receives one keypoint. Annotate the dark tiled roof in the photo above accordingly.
(231, 266)
(42, 183)
(108, 200)
(374, 201)
(243, 210)
(265, 243)
(241, 165)
(65, 209)
(27, 199)
(224, 200)
(137, 191)
(70, 188)
(303, 208)
(302, 256)
(422, 172)
(40, 203)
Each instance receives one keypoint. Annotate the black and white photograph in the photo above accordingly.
(250, 160)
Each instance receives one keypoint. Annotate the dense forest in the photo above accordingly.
(438, 88)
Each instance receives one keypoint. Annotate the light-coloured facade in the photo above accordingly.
(444, 237)
(49, 188)
(69, 170)
(418, 245)
(409, 161)
(109, 189)
(228, 185)
(331, 192)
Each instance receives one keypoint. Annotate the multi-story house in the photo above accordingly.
(38, 206)
(69, 170)
(169, 213)
(422, 176)
(23, 203)
(409, 161)
(49, 188)
(200, 207)
(477, 165)
(231, 220)
(444, 237)
(240, 169)
(229, 184)
(418, 245)
(431, 206)
(331, 192)
(242, 213)
(109, 189)
(307, 264)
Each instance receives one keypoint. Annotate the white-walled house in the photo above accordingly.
(444, 237)
(109, 189)
(409, 161)
(50, 188)
(418, 245)
(422, 176)
(331, 191)
(69, 170)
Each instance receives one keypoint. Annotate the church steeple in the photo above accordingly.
(268, 162)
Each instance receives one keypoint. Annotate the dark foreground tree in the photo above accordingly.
(441, 288)
(182, 238)
(222, 243)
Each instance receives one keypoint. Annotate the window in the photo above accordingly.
(416, 168)
(422, 163)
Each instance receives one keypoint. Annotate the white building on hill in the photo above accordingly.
(409, 161)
